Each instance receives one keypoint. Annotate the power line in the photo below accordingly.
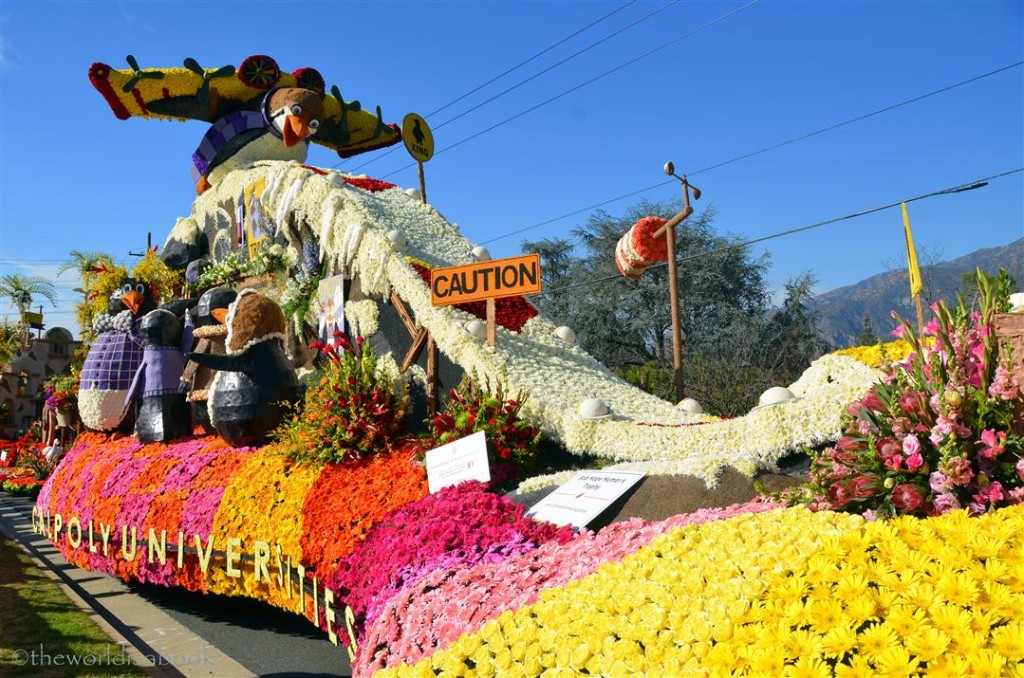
(959, 188)
(547, 70)
(757, 152)
(502, 75)
(581, 85)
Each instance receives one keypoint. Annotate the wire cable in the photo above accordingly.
(757, 152)
(581, 85)
(503, 74)
(959, 188)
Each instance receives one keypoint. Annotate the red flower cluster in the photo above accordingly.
(510, 312)
(511, 442)
(353, 412)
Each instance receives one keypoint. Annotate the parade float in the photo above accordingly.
(904, 554)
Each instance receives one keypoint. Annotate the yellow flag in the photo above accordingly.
(915, 272)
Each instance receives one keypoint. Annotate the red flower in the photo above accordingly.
(837, 495)
(862, 487)
(907, 497)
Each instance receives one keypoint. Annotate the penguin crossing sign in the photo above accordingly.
(418, 138)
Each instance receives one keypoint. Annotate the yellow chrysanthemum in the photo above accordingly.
(949, 666)
(852, 585)
(896, 662)
(861, 609)
(839, 640)
(858, 667)
(985, 662)
(1009, 641)
(876, 639)
(824, 615)
(808, 667)
(800, 643)
(769, 660)
(958, 589)
(950, 619)
(905, 620)
(927, 643)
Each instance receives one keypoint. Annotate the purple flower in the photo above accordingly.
(939, 482)
(946, 502)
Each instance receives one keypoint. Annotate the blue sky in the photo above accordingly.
(72, 176)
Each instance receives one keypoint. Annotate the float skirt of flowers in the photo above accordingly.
(789, 592)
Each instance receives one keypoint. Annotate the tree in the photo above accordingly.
(20, 289)
(791, 339)
(628, 322)
(89, 266)
(867, 334)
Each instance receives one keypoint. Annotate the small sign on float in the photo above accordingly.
(582, 499)
(458, 461)
(493, 279)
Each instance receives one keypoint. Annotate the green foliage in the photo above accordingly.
(512, 442)
(354, 411)
(234, 268)
(867, 334)
(735, 346)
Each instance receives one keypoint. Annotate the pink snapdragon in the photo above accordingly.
(939, 481)
(1005, 385)
(994, 442)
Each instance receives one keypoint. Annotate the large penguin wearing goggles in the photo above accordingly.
(113, 359)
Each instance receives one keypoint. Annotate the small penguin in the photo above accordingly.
(210, 334)
(161, 411)
(255, 384)
(113, 358)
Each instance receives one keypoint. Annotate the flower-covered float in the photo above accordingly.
(333, 519)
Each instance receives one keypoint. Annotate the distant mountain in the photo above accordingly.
(843, 309)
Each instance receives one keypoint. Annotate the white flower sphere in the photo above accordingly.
(690, 405)
(592, 408)
(480, 253)
(478, 328)
(1017, 301)
(566, 334)
(776, 395)
(398, 240)
(413, 193)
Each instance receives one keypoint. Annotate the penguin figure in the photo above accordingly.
(113, 359)
(210, 334)
(255, 384)
(161, 411)
(279, 130)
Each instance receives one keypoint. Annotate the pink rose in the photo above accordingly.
(946, 502)
(939, 482)
(911, 445)
(915, 461)
(1020, 468)
(894, 462)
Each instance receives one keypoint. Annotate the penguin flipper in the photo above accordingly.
(221, 362)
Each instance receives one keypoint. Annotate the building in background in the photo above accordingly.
(21, 383)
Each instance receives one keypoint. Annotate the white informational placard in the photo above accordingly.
(3, 455)
(458, 461)
(330, 299)
(584, 497)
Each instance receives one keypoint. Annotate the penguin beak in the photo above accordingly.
(295, 130)
(133, 300)
(220, 315)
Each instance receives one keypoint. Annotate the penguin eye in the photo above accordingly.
(127, 288)
(314, 125)
(140, 288)
(296, 110)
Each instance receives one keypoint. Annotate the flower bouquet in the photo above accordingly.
(936, 433)
(354, 411)
(62, 396)
(511, 442)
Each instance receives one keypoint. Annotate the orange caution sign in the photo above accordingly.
(494, 279)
